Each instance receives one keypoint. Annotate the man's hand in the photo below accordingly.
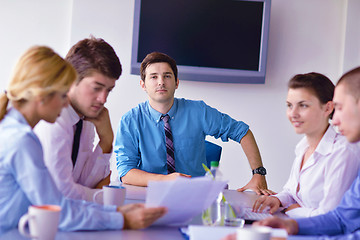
(174, 175)
(136, 216)
(139, 177)
(104, 130)
(290, 225)
(266, 201)
(251, 150)
(258, 185)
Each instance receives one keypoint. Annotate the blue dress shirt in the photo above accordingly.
(344, 219)
(25, 181)
(140, 139)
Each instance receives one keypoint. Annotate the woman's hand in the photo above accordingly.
(136, 216)
(266, 201)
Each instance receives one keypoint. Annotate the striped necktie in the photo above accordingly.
(76, 142)
(170, 158)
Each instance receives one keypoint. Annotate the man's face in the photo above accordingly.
(89, 95)
(347, 114)
(160, 83)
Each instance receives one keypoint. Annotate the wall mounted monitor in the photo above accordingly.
(211, 40)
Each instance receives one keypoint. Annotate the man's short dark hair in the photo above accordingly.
(94, 55)
(157, 57)
(351, 81)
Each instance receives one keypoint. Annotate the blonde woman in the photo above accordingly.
(38, 91)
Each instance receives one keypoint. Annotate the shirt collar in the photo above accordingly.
(72, 115)
(14, 113)
(325, 145)
(157, 115)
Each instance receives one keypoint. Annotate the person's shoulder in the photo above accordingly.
(189, 102)
(18, 136)
(135, 112)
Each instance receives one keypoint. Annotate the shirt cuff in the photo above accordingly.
(116, 220)
(299, 212)
(285, 199)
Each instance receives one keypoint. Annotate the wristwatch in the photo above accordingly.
(259, 170)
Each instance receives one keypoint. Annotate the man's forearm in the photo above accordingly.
(251, 150)
(140, 178)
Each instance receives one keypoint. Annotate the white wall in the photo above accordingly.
(307, 35)
(26, 23)
(352, 36)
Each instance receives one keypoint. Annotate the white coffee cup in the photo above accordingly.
(112, 195)
(253, 233)
(43, 222)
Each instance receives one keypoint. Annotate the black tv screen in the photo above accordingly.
(211, 40)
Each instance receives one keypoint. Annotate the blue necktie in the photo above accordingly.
(76, 142)
(170, 158)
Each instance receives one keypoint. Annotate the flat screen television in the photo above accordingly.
(211, 40)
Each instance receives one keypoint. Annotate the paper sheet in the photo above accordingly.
(184, 198)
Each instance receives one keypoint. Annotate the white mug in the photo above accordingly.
(43, 222)
(112, 195)
(253, 233)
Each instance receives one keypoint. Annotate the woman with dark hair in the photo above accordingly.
(325, 164)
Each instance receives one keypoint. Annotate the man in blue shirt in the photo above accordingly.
(346, 217)
(140, 144)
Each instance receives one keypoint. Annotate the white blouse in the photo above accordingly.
(319, 186)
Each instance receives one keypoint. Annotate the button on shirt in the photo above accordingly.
(91, 165)
(324, 178)
(140, 139)
(25, 181)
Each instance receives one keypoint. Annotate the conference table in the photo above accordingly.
(135, 194)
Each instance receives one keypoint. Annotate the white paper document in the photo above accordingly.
(184, 198)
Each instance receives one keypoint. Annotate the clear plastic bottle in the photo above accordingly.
(215, 171)
(214, 214)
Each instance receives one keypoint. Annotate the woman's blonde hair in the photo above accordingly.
(39, 72)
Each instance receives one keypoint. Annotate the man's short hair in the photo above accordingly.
(94, 55)
(157, 57)
(351, 81)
